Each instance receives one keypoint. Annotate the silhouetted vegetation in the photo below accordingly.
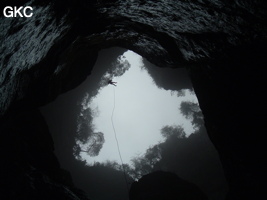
(172, 131)
(92, 146)
(87, 140)
(116, 69)
(192, 158)
(192, 112)
(70, 122)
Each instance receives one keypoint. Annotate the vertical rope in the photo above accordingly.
(117, 140)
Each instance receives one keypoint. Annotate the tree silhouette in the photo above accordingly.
(84, 125)
(143, 165)
(94, 144)
(112, 164)
(153, 154)
(87, 140)
(152, 159)
(193, 158)
(116, 69)
(192, 112)
(172, 131)
(120, 67)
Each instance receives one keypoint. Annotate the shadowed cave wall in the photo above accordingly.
(221, 43)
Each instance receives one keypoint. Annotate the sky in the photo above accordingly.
(141, 110)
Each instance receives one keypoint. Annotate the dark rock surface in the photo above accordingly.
(221, 43)
(164, 185)
(29, 168)
(231, 98)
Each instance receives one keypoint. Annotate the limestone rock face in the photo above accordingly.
(221, 43)
(29, 168)
(59, 44)
(164, 185)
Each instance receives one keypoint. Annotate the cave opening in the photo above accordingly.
(139, 110)
(80, 119)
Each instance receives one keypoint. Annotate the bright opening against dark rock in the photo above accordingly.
(109, 135)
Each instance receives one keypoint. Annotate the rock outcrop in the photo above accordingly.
(29, 168)
(221, 43)
(164, 185)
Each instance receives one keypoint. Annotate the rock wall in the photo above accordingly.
(230, 94)
(164, 185)
(221, 43)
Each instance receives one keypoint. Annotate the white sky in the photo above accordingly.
(141, 110)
